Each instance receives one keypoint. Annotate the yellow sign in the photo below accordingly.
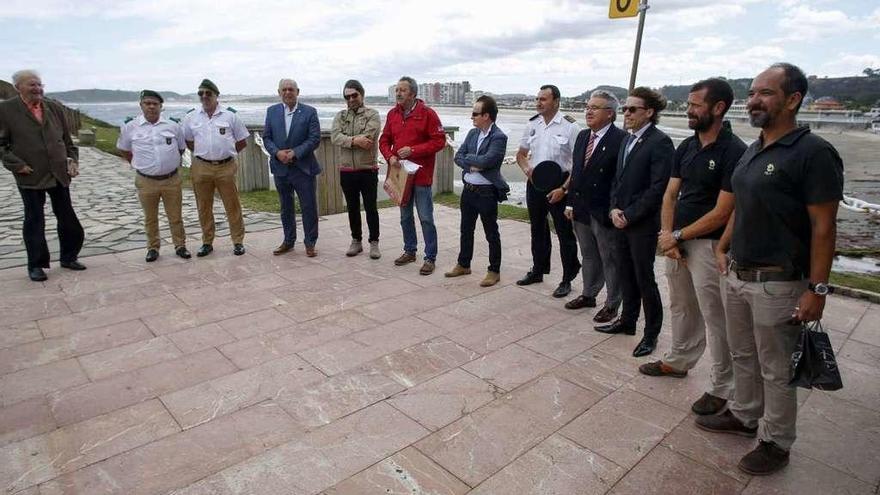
(623, 8)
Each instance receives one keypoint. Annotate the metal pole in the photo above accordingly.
(643, 8)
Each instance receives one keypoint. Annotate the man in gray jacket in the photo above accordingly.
(35, 145)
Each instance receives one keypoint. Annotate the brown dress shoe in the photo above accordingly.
(427, 268)
(659, 368)
(725, 422)
(457, 271)
(708, 404)
(310, 251)
(581, 302)
(490, 279)
(405, 258)
(283, 248)
(605, 315)
(767, 458)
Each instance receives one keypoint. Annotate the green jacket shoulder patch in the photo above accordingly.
(232, 109)
(128, 119)
(570, 119)
(535, 117)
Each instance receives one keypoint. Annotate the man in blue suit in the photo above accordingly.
(480, 158)
(291, 135)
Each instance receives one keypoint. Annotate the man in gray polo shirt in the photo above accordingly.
(786, 188)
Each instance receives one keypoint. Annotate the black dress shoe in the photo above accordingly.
(530, 278)
(562, 290)
(581, 302)
(73, 265)
(616, 327)
(238, 250)
(152, 255)
(605, 315)
(183, 252)
(204, 250)
(37, 274)
(646, 346)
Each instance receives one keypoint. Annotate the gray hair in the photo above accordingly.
(413, 85)
(608, 96)
(286, 79)
(24, 75)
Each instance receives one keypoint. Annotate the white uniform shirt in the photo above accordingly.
(214, 137)
(553, 141)
(476, 178)
(155, 148)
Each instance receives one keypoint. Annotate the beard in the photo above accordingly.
(760, 118)
(702, 122)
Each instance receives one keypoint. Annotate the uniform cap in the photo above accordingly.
(207, 84)
(149, 93)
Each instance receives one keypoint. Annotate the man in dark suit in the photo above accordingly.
(480, 158)
(291, 134)
(594, 162)
(643, 166)
(35, 145)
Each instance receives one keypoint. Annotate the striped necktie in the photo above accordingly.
(590, 144)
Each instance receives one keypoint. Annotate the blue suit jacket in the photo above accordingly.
(488, 158)
(304, 138)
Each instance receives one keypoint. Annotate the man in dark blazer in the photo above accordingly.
(594, 162)
(480, 157)
(643, 166)
(291, 135)
(35, 145)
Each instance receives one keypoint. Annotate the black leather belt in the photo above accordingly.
(216, 162)
(477, 187)
(157, 177)
(764, 273)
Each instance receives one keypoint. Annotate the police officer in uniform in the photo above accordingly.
(153, 145)
(215, 135)
(549, 135)
(782, 235)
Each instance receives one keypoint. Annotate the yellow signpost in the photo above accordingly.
(623, 8)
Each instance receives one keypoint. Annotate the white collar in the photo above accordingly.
(288, 110)
(642, 130)
(601, 132)
(141, 120)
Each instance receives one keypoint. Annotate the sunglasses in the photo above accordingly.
(352, 96)
(632, 109)
(476, 114)
(205, 93)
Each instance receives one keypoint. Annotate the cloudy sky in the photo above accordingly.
(502, 46)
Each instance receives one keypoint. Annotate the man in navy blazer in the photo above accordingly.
(643, 166)
(291, 135)
(594, 162)
(480, 158)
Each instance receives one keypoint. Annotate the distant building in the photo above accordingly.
(826, 103)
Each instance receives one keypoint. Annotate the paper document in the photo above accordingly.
(410, 167)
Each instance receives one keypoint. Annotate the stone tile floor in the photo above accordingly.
(288, 375)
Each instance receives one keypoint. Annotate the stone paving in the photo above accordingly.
(106, 202)
(275, 375)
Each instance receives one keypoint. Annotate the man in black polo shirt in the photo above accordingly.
(696, 206)
(787, 187)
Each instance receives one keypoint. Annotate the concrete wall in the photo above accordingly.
(253, 172)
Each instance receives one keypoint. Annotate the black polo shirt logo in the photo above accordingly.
(711, 164)
(771, 169)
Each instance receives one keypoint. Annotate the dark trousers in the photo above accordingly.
(70, 232)
(479, 201)
(636, 272)
(304, 185)
(354, 185)
(539, 207)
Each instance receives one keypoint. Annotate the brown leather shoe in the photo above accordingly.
(310, 251)
(725, 422)
(457, 271)
(659, 368)
(283, 248)
(767, 458)
(427, 268)
(490, 279)
(405, 258)
(708, 404)
(605, 315)
(581, 302)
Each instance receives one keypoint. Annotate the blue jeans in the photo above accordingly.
(423, 200)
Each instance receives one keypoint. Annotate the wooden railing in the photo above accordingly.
(253, 171)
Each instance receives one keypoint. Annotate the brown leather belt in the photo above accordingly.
(764, 273)
(157, 177)
(216, 162)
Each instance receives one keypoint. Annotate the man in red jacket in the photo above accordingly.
(413, 132)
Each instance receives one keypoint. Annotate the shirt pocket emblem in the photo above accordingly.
(711, 164)
(770, 169)
(222, 131)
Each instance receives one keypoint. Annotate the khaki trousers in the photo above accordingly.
(697, 315)
(150, 191)
(206, 178)
(761, 342)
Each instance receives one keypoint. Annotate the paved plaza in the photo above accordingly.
(288, 375)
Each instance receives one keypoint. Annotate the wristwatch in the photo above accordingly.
(821, 289)
(676, 234)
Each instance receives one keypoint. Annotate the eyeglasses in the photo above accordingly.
(476, 114)
(594, 109)
(352, 96)
(205, 93)
(632, 109)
